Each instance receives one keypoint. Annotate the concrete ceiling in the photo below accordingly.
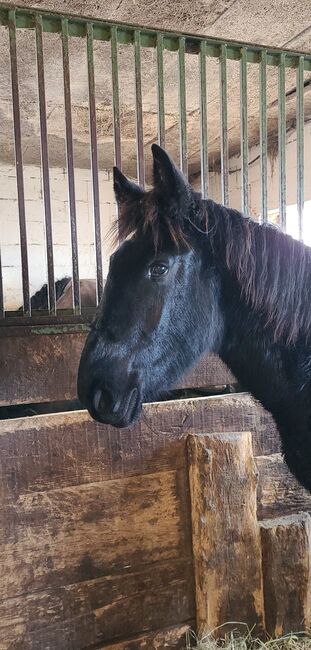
(283, 23)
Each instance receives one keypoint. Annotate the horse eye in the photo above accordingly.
(157, 269)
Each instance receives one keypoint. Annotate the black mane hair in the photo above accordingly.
(272, 269)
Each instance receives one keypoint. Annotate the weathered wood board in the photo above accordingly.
(286, 551)
(226, 538)
(42, 367)
(95, 522)
(95, 534)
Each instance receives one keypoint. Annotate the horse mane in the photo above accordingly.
(272, 269)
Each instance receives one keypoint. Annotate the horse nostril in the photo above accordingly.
(102, 401)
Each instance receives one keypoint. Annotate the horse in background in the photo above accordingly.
(63, 291)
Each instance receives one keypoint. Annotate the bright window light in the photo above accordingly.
(292, 221)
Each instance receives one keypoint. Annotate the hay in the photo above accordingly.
(237, 640)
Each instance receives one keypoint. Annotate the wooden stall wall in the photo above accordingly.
(101, 532)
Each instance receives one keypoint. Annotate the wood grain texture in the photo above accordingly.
(279, 493)
(64, 449)
(63, 536)
(286, 559)
(173, 637)
(42, 367)
(225, 534)
(82, 615)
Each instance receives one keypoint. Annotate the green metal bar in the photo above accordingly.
(300, 145)
(182, 107)
(224, 127)
(263, 135)
(244, 131)
(160, 80)
(115, 97)
(52, 22)
(19, 164)
(70, 171)
(139, 113)
(203, 121)
(282, 143)
(94, 162)
(45, 168)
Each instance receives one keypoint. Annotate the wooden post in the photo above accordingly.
(286, 558)
(226, 537)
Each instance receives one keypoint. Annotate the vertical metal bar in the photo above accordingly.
(244, 130)
(94, 162)
(182, 105)
(224, 127)
(300, 144)
(45, 167)
(2, 314)
(115, 97)
(160, 79)
(139, 112)
(263, 134)
(282, 143)
(70, 170)
(203, 120)
(19, 163)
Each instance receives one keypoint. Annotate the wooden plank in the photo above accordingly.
(82, 615)
(286, 551)
(66, 449)
(173, 637)
(62, 536)
(279, 493)
(225, 534)
(38, 367)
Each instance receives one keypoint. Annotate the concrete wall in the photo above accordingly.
(273, 184)
(9, 228)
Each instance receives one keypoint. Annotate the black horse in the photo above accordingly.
(194, 277)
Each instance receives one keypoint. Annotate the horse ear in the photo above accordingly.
(124, 189)
(168, 180)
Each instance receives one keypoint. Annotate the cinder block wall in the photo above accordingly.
(9, 233)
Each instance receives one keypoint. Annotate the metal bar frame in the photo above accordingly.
(70, 170)
(182, 107)
(203, 121)
(300, 145)
(19, 164)
(224, 155)
(160, 93)
(282, 142)
(45, 168)
(94, 162)
(139, 112)
(115, 97)
(52, 23)
(263, 135)
(244, 132)
(183, 43)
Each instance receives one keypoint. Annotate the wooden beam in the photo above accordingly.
(226, 539)
(279, 493)
(286, 552)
